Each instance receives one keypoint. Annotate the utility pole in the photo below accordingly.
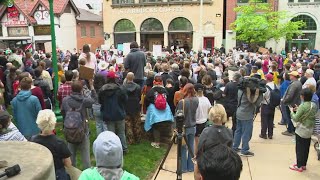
(201, 25)
(54, 53)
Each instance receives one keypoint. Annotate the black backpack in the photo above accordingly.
(275, 96)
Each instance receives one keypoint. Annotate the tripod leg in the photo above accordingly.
(165, 156)
(179, 160)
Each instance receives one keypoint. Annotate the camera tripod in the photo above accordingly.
(177, 135)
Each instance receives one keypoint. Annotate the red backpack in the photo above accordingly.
(160, 101)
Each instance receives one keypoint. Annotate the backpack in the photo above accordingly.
(275, 97)
(74, 126)
(213, 94)
(160, 101)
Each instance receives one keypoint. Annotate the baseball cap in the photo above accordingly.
(310, 71)
(269, 77)
(111, 75)
(294, 73)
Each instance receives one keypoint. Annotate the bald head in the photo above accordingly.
(130, 76)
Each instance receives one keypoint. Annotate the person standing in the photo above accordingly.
(91, 61)
(283, 88)
(135, 62)
(304, 116)
(267, 110)
(25, 109)
(133, 108)
(245, 113)
(76, 100)
(189, 107)
(310, 79)
(113, 98)
(65, 89)
(291, 98)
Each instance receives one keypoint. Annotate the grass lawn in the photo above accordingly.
(142, 159)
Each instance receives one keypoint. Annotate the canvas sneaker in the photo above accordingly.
(294, 167)
(247, 154)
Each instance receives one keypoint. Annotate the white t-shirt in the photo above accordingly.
(202, 110)
(310, 81)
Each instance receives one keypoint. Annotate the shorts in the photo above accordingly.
(200, 128)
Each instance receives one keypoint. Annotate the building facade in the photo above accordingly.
(26, 24)
(231, 16)
(309, 12)
(179, 23)
(89, 30)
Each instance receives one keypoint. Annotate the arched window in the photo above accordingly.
(151, 25)
(124, 25)
(180, 24)
(310, 22)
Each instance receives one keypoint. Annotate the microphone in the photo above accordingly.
(11, 171)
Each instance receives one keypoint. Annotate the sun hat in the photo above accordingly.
(294, 73)
(103, 65)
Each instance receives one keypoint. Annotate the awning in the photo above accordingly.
(15, 38)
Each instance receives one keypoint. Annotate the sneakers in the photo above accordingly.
(270, 137)
(237, 149)
(281, 124)
(303, 167)
(155, 145)
(247, 154)
(286, 133)
(263, 137)
(294, 167)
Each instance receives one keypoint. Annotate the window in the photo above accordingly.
(124, 25)
(303, 0)
(92, 31)
(290, 1)
(150, 1)
(83, 31)
(122, 2)
(310, 23)
(151, 25)
(180, 24)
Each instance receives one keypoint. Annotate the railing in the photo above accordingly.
(119, 2)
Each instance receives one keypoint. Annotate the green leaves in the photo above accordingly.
(6, 2)
(257, 22)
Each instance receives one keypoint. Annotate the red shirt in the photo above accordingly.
(64, 91)
(38, 93)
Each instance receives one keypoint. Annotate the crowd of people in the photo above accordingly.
(143, 94)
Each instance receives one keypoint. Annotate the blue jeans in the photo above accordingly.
(186, 158)
(243, 133)
(100, 124)
(285, 119)
(119, 128)
(290, 128)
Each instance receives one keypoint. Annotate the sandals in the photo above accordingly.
(155, 145)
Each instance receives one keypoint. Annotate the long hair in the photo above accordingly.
(189, 91)
(86, 50)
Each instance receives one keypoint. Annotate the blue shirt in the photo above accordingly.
(283, 87)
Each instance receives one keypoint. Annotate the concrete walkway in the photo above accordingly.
(271, 161)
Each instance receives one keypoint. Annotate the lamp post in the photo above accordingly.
(54, 52)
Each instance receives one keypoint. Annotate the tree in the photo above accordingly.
(6, 2)
(258, 22)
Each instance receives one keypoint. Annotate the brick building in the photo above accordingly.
(231, 16)
(89, 30)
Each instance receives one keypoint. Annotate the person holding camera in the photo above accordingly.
(249, 101)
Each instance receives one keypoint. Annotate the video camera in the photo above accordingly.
(179, 120)
(252, 83)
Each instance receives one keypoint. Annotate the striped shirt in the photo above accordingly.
(12, 135)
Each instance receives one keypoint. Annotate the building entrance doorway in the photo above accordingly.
(208, 44)
(148, 40)
(151, 34)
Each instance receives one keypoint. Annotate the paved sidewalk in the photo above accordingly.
(271, 161)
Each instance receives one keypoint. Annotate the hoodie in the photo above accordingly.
(77, 100)
(25, 112)
(133, 107)
(135, 62)
(107, 150)
(113, 98)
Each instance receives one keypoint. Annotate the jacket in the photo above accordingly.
(93, 174)
(135, 62)
(246, 110)
(175, 74)
(133, 107)
(39, 82)
(165, 76)
(113, 99)
(305, 118)
(292, 95)
(25, 111)
(283, 87)
(75, 100)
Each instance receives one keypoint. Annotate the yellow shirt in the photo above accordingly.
(275, 77)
